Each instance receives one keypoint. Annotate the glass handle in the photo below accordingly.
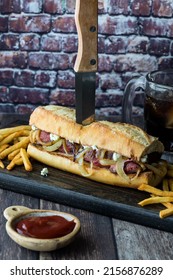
(129, 95)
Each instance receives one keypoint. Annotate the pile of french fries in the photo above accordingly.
(163, 195)
(13, 147)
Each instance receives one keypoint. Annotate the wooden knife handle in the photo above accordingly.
(86, 18)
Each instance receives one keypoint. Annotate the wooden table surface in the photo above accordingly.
(101, 237)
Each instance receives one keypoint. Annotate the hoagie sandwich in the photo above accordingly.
(112, 153)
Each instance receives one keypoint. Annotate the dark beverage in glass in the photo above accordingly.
(158, 116)
(158, 104)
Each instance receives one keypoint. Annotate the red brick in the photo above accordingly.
(118, 25)
(7, 108)
(62, 97)
(70, 43)
(35, 23)
(162, 8)
(24, 78)
(3, 24)
(109, 81)
(101, 44)
(10, 6)
(135, 62)
(108, 100)
(107, 112)
(65, 24)
(6, 77)
(171, 49)
(118, 7)
(137, 44)
(170, 28)
(45, 79)
(9, 42)
(29, 42)
(165, 63)
(51, 42)
(159, 46)
(13, 59)
(102, 7)
(70, 6)
(115, 44)
(48, 61)
(24, 109)
(153, 26)
(3, 94)
(28, 95)
(104, 63)
(141, 7)
(66, 79)
(32, 6)
(53, 6)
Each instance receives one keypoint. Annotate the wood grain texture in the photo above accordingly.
(85, 18)
(76, 191)
(9, 250)
(136, 242)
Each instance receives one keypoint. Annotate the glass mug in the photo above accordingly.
(158, 104)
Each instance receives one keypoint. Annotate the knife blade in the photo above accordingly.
(86, 19)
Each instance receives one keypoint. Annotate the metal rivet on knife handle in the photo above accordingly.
(92, 28)
(92, 61)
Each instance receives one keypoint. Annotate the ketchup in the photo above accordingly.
(44, 227)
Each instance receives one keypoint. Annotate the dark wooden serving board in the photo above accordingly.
(76, 191)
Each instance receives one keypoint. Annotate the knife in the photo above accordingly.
(86, 19)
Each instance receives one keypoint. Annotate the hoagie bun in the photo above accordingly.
(112, 153)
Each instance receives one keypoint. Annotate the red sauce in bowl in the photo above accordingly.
(45, 227)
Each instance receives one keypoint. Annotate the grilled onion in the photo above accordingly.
(106, 162)
(83, 170)
(101, 154)
(154, 169)
(120, 169)
(81, 153)
(53, 147)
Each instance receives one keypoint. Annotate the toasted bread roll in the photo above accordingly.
(107, 135)
(112, 153)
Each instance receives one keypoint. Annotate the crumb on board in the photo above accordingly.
(44, 172)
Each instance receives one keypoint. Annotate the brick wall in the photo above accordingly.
(38, 45)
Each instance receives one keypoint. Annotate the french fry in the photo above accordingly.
(166, 212)
(14, 162)
(13, 136)
(16, 146)
(1, 164)
(19, 161)
(20, 138)
(14, 129)
(3, 147)
(25, 158)
(13, 154)
(155, 191)
(10, 137)
(154, 200)
(11, 165)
